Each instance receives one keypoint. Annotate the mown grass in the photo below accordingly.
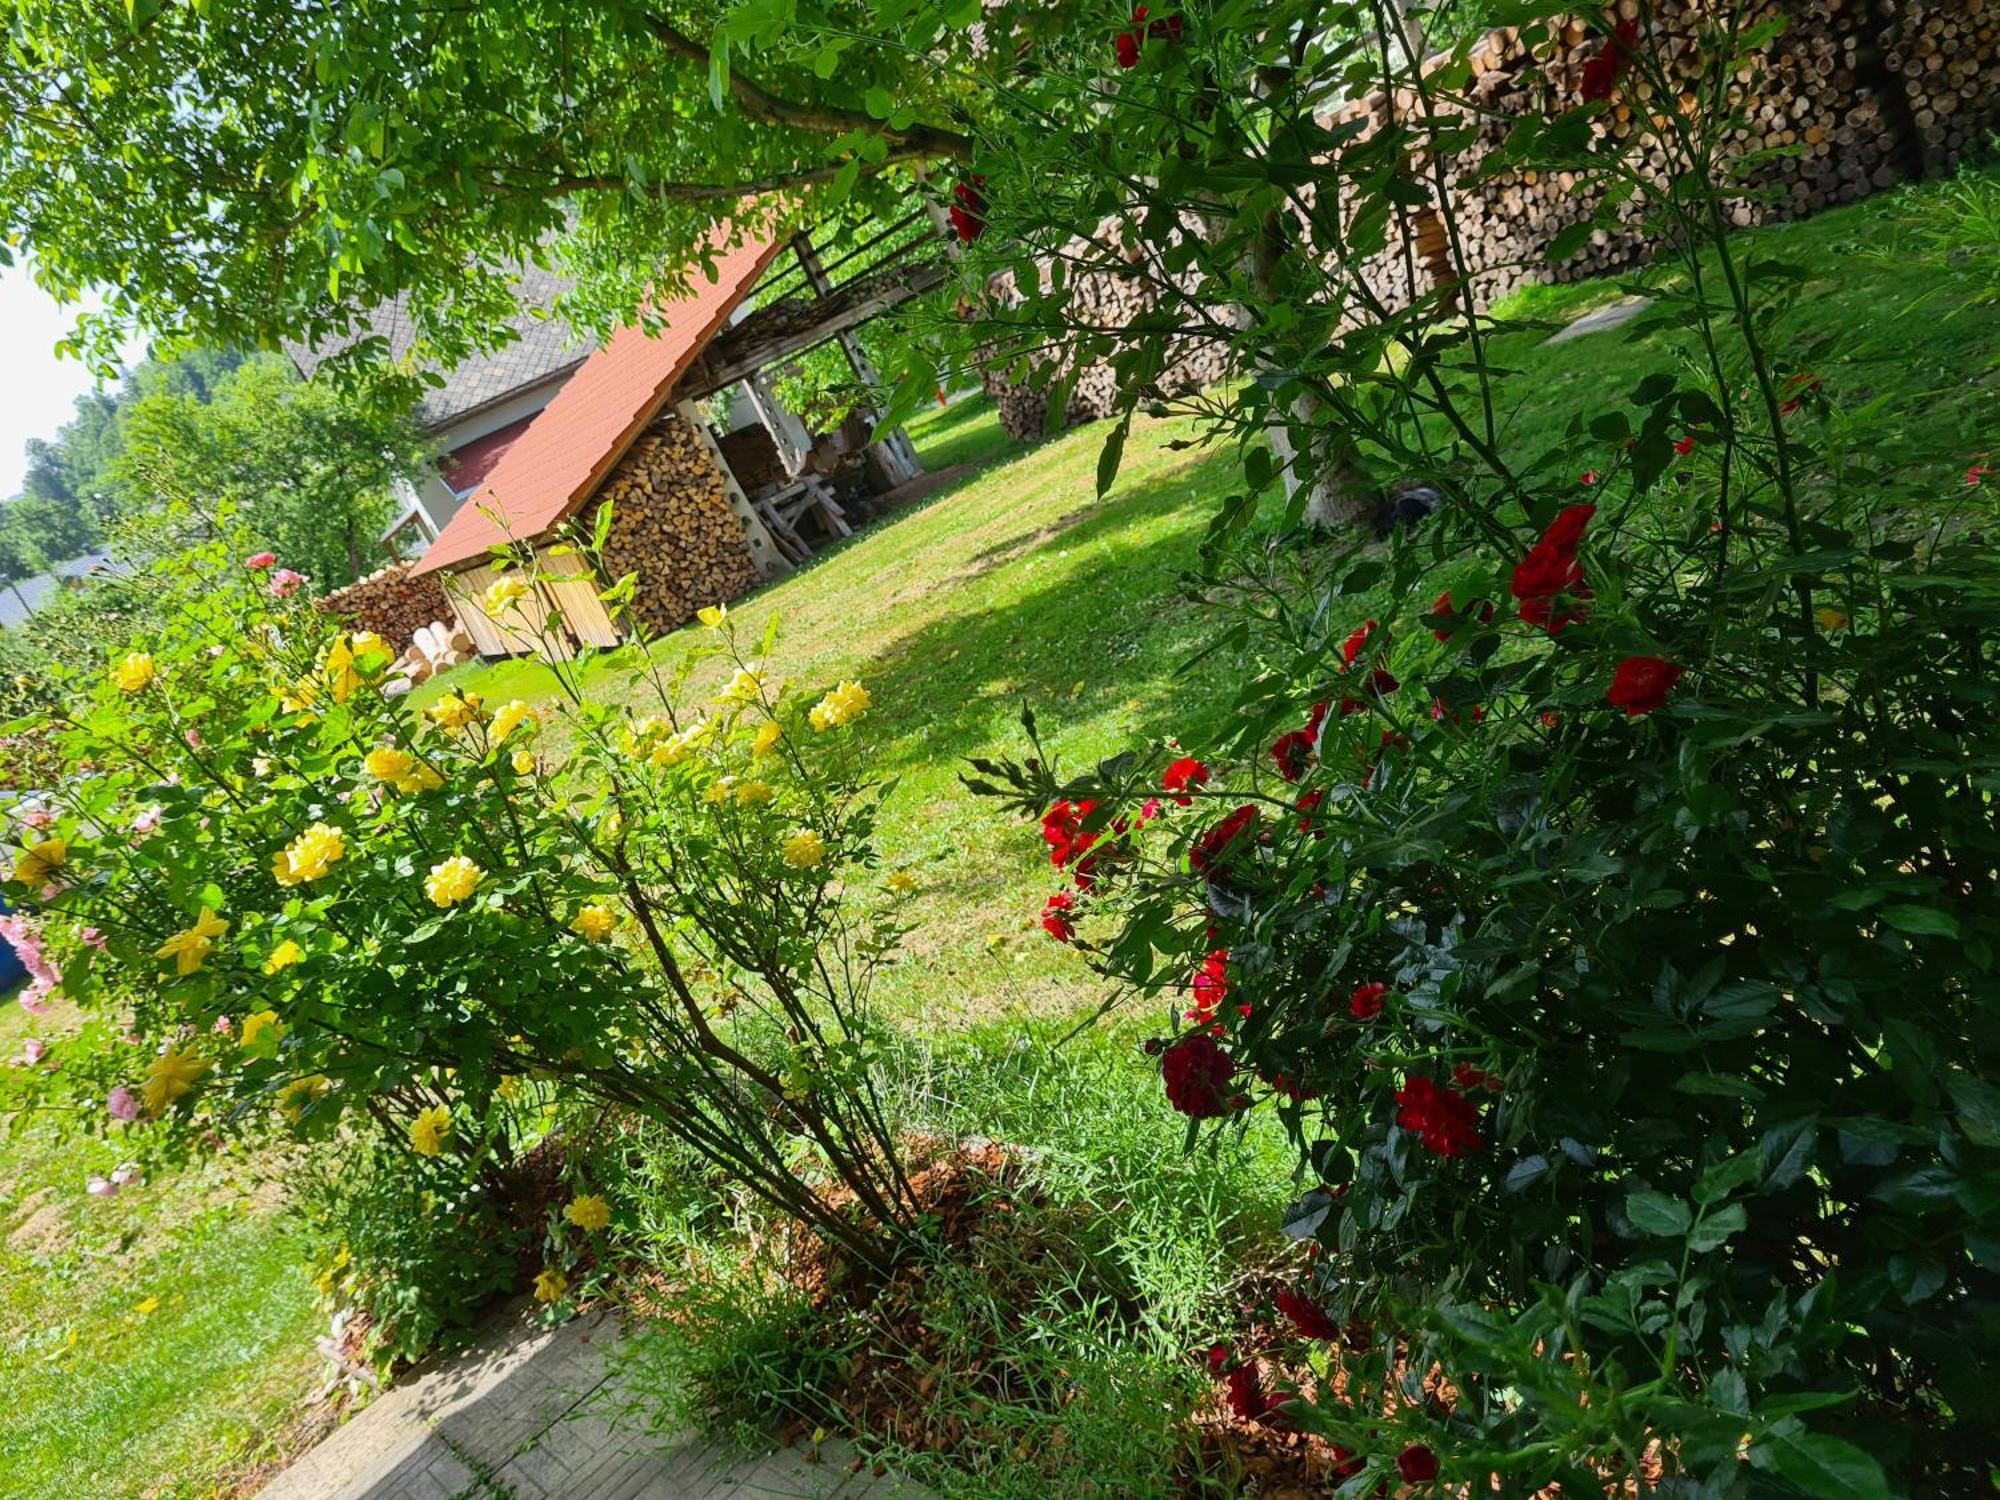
(148, 1340)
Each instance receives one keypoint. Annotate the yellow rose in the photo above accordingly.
(804, 849)
(135, 673)
(282, 957)
(768, 735)
(902, 882)
(841, 707)
(550, 1284)
(310, 855)
(509, 717)
(39, 862)
(428, 1130)
(595, 922)
(190, 949)
(1831, 620)
(524, 762)
(453, 881)
(504, 593)
(169, 1077)
(747, 686)
(713, 615)
(296, 1097)
(256, 1025)
(454, 711)
(299, 697)
(754, 793)
(339, 670)
(589, 1212)
(719, 790)
(386, 763)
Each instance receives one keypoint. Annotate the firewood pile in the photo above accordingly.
(1103, 301)
(752, 457)
(393, 602)
(1849, 98)
(673, 525)
(1946, 53)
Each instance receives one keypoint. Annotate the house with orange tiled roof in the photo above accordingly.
(697, 516)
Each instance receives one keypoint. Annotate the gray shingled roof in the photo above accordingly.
(544, 347)
(18, 601)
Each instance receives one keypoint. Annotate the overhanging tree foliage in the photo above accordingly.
(233, 172)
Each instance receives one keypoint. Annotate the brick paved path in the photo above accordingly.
(529, 1414)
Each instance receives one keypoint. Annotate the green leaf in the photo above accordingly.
(1111, 455)
(1823, 1466)
(1656, 1213)
(1978, 1108)
(1716, 1227)
(1725, 1177)
(1925, 920)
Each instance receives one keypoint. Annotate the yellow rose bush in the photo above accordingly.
(317, 906)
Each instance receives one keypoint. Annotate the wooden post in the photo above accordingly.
(788, 433)
(763, 546)
(895, 456)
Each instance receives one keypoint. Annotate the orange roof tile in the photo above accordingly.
(558, 463)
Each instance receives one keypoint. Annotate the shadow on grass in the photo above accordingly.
(1104, 619)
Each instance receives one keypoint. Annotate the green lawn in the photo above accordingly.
(145, 1340)
(1015, 583)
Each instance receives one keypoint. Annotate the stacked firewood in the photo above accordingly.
(1846, 98)
(393, 602)
(1947, 55)
(673, 525)
(1101, 300)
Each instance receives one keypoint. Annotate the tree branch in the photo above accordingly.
(825, 119)
(710, 191)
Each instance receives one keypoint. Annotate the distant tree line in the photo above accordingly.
(309, 470)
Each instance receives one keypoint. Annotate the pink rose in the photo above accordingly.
(100, 1187)
(126, 1174)
(285, 582)
(257, 562)
(123, 1104)
(222, 1026)
(95, 939)
(147, 822)
(38, 817)
(33, 1050)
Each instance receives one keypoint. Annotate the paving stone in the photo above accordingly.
(1617, 315)
(526, 1413)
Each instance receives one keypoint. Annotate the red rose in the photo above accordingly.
(1063, 830)
(1684, 445)
(1220, 843)
(1641, 683)
(1055, 917)
(1308, 1319)
(1443, 1120)
(1588, 476)
(1468, 1078)
(1197, 1073)
(968, 210)
(1306, 807)
(1442, 711)
(1549, 580)
(1245, 1394)
(1354, 644)
(1292, 753)
(1128, 43)
(1602, 72)
(1218, 1359)
(1210, 986)
(1977, 473)
(1345, 1464)
(1417, 1464)
(1185, 775)
(1479, 609)
(1365, 1004)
